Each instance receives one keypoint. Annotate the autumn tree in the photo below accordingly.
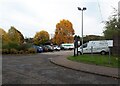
(64, 32)
(3, 37)
(15, 35)
(41, 37)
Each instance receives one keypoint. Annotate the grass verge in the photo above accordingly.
(102, 60)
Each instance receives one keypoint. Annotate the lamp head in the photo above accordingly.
(84, 8)
(79, 8)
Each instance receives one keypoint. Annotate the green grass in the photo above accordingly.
(102, 60)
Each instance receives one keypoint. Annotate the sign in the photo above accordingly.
(75, 45)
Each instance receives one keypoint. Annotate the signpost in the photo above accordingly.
(75, 45)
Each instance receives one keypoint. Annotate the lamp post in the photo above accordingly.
(84, 8)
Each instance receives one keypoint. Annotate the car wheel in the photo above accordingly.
(103, 53)
(79, 53)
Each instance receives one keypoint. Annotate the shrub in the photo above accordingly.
(24, 47)
(13, 51)
(31, 50)
(13, 45)
(5, 46)
(14, 48)
(20, 52)
(5, 51)
(27, 52)
(0, 51)
(10, 45)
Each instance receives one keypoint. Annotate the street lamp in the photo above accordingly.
(84, 8)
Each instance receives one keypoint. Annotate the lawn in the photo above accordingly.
(102, 60)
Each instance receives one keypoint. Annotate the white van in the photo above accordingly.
(101, 46)
(67, 46)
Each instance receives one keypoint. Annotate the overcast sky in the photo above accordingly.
(31, 16)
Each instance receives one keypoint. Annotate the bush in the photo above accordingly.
(27, 52)
(14, 48)
(31, 50)
(13, 45)
(13, 51)
(10, 45)
(20, 52)
(5, 46)
(24, 47)
(5, 51)
(0, 51)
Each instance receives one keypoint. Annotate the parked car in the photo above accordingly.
(45, 49)
(67, 46)
(57, 48)
(49, 48)
(38, 48)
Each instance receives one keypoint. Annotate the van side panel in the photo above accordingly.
(97, 46)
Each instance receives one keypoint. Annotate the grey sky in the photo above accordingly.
(31, 16)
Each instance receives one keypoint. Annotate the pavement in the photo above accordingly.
(94, 69)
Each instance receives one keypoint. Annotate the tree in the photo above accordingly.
(28, 40)
(64, 32)
(112, 27)
(15, 35)
(92, 37)
(41, 37)
(3, 36)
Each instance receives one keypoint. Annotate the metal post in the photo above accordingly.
(77, 46)
(74, 48)
(91, 50)
(82, 32)
(109, 55)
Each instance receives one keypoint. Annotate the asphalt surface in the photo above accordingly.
(37, 69)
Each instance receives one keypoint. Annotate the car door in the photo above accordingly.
(86, 48)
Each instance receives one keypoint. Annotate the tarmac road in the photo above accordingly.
(37, 69)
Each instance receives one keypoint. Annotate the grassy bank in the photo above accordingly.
(102, 60)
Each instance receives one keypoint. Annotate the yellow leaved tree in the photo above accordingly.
(64, 32)
(3, 37)
(15, 35)
(41, 37)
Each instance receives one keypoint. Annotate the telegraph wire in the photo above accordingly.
(100, 12)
